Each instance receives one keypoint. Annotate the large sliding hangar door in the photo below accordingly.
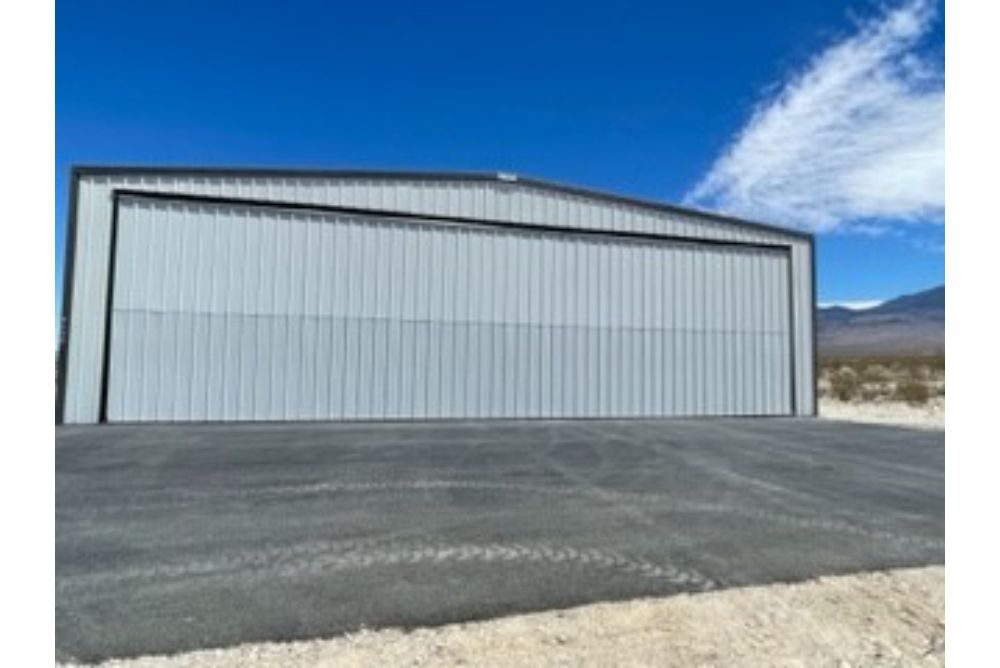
(228, 306)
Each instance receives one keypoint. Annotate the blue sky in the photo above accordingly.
(822, 115)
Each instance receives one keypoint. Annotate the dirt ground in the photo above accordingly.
(926, 416)
(893, 618)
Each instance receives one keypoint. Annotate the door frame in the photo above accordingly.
(389, 216)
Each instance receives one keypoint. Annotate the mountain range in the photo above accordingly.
(907, 325)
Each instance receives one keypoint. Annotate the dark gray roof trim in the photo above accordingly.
(430, 175)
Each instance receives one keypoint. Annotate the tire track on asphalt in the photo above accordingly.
(637, 505)
(882, 532)
(710, 463)
(317, 559)
(588, 489)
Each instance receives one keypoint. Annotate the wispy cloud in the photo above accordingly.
(929, 245)
(858, 136)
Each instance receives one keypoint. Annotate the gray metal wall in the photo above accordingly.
(698, 381)
(248, 313)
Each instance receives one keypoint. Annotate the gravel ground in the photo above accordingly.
(928, 416)
(890, 618)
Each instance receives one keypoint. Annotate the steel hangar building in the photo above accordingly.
(196, 294)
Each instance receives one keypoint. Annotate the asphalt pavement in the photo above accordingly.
(172, 538)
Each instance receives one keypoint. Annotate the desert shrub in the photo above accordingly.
(936, 363)
(911, 378)
(876, 373)
(844, 383)
(872, 393)
(912, 392)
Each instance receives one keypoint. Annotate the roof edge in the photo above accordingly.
(501, 177)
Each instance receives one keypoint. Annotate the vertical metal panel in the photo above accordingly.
(247, 313)
(465, 198)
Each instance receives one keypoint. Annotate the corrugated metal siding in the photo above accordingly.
(248, 313)
(466, 198)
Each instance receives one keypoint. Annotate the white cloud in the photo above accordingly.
(857, 136)
(857, 305)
